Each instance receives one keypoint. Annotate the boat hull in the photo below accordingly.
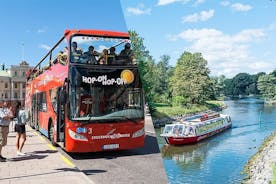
(194, 139)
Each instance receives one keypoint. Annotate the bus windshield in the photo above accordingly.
(102, 95)
(101, 50)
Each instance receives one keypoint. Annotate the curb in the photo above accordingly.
(62, 156)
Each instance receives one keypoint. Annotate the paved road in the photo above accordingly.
(143, 165)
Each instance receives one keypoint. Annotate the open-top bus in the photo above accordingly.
(85, 104)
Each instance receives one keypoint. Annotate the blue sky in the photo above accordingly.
(233, 36)
(39, 24)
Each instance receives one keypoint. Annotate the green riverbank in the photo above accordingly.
(165, 110)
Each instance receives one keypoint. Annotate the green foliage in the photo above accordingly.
(242, 84)
(274, 174)
(190, 78)
(267, 86)
(166, 110)
(179, 101)
(145, 64)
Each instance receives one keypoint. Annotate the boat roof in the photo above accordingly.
(198, 121)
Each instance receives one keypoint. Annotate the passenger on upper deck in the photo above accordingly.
(103, 58)
(75, 51)
(127, 52)
(90, 55)
(111, 55)
(112, 51)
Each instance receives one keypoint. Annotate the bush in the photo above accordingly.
(179, 101)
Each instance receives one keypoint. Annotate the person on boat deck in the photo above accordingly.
(188, 130)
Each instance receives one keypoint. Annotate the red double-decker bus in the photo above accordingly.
(88, 101)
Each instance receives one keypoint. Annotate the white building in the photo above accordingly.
(12, 82)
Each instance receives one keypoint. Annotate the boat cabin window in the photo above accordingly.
(189, 131)
(178, 129)
(168, 129)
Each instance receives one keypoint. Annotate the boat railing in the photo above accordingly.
(207, 117)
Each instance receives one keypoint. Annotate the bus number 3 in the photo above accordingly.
(89, 131)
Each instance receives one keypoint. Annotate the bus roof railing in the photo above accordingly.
(37, 67)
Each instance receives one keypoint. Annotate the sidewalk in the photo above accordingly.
(43, 164)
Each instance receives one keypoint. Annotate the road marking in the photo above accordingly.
(51, 147)
(67, 161)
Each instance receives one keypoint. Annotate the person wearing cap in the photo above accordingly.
(127, 52)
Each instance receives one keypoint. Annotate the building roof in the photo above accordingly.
(4, 73)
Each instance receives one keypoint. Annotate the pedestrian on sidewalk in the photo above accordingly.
(20, 128)
(6, 115)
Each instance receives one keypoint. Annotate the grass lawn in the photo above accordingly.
(274, 174)
(165, 110)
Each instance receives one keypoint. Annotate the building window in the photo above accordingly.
(6, 85)
(23, 95)
(15, 95)
(15, 85)
(23, 74)
(6, 95)
(15, 73)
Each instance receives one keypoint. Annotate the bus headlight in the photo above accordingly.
(77, 136)
(138, 133)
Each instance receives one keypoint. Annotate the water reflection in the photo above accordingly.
(188, 154)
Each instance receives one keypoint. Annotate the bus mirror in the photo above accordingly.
(62, 96)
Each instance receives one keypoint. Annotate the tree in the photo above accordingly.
(240, 84)
(267, 86)
(164, 72)
(218, 85)
(146, 65)
(190, 78)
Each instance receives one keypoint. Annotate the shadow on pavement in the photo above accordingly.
(92, 172)
(42, 174)
(44, 151)
(150, 147)
(69, 169)
(28, 157)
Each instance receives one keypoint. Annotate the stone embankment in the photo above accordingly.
(260, 166)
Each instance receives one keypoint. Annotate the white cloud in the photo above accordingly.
(199, 2)
(226, 54)
(139, 10)
(166, 2)
(241, 7)
(202, 16)
(225, 3)
(44, 46)
(237, 6)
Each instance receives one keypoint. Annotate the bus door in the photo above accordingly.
(60, 118)
(34, 112)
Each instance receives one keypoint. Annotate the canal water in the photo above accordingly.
(221, 159)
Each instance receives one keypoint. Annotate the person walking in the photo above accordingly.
(6, 115)
(20, 128)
